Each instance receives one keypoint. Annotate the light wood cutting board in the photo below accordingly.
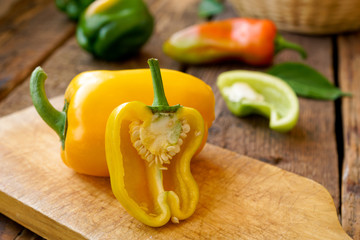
(240, 198)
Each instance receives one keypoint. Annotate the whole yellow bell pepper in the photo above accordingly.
(90, 98)
(148, 151)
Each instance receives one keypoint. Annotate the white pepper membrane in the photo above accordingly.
(159, 139)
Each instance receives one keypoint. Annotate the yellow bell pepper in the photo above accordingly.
(90, 98)
(148, 151)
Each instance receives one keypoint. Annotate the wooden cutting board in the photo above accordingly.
(240, 197)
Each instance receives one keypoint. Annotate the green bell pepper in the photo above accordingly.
(114, 29)
(73, 8)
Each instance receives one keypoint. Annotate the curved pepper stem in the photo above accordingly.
(54, 118)
(281, 43)
(160, 103)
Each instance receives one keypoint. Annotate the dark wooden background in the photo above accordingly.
(324, 145)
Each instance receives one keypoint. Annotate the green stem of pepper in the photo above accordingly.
(160, 103)
(281, 43)
(54, 118)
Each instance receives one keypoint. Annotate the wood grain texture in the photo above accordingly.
(8, 229)
(6, 6)
(26, 234)
(29, 32)
(349, 80)
(302, 150)
(69, 60)
(239, 197)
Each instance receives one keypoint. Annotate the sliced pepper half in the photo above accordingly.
(248, 92)
(148, 152)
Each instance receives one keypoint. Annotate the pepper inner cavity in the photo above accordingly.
(159, 139)
(240, 91)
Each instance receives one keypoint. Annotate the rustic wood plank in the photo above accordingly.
(8, 229)
(6, 6)
(349, 80)
(29, 32)
(28, 235)
(302, 150)
(22, 22)
(69, 60)
(240, 198)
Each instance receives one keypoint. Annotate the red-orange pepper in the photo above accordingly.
(251, 41)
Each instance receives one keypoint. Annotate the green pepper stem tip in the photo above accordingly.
(281, 43)
(160, 103)
(54, 118)
(159, 93)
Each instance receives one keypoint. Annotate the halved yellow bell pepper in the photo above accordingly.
(90, 98)
(148, 151)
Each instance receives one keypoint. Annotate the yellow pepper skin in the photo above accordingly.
(148, 176)
(91, 97)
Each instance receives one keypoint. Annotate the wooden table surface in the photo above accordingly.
(324, 145)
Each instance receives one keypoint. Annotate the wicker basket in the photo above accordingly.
(304, 16)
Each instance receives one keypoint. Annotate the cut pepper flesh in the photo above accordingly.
(149, 191)
(270, 97)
